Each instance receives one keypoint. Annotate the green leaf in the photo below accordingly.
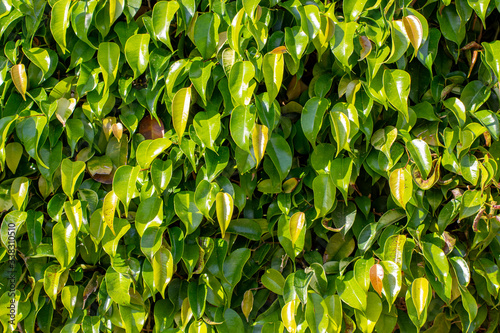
(124, 184)
(490, 56)
(64, 243)
(161, 174)
(45, 59)
(451, 25)
(241, 82)
(204, 197)
(118, 285)
(317, 313)
(474, 95)
(438, 261)
(241, 126)
(415, 31)
(245, 227)
(488, 119)
(273, 68)
(200, 73)
(134, 318)
(366, 321)
(394, 249)
(206, 35)
(69, 297)
(400, 41)
(59, 22)
(480, 7)
(420, 153)
(351, 292)
(163, 14)
(108, 57)
(108, 209)
(341, 129)
(149, 214)
(341, 169)
(185, 208)
(392, 281)
(197, 294)
(260, 137)
(207, 126)
(458, 109)
(353, 9)
(19, 192)
(71, 173)
(397, 87)
(148, 150)
(163, 269)
(312, 117)
(81, 19)
(74, 214)
(344, 41)
(10, 226)
(273, 280)
(324, 194)
(29, 131)
(472, 201)
(233, 268)
(280, 153)
(54, 280)
(137, 53)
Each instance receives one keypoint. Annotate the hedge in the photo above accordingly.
(249, 166)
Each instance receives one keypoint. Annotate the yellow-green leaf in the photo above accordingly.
(224, 206)
(420, 294)
(297, 222)
(163, 269)
(180, 110)
(19, 191)
(247, 303)
(59, 22)
(415, 31)
(272, 68)
(260, 137)
(401, 184)
(108, 209)
(288, 316)
(18, 73)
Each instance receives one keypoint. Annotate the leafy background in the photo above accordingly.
(250, 166)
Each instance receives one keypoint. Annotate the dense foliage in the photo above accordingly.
(249, 166)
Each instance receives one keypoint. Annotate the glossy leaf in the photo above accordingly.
(137, 53)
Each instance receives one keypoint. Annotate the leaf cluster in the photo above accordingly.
(240, 166)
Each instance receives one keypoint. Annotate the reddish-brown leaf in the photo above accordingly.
(376, 277)
(151, 129)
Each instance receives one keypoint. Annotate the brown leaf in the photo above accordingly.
(91, 287)
(151, 129)
(376, 277)
(295, 88)
(366, 47)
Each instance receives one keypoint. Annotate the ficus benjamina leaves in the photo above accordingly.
(241, 166)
